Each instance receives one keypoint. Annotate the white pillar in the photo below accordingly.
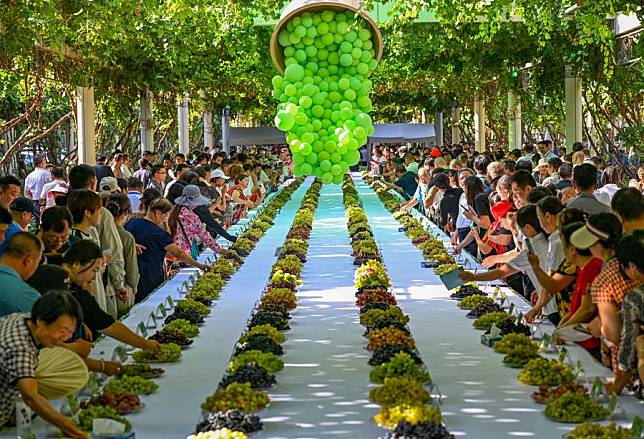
(147, 122)
(479, 124)
(438, 128)
(573, 109)
(515, 135)
(225, 126)
(85, 125)
(456, 120)
(184, 125)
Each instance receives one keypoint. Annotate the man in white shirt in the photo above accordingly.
(545, 149)
(463, 225)
(35, 181)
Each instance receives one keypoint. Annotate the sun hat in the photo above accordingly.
(191, 197)
(218, 173)
(543, 162)
(587, 236)
(109, 184)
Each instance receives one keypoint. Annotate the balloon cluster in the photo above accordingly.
(324, 93)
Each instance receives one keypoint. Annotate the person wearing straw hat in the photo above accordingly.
(186, 228)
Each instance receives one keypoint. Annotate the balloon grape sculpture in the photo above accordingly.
(324, 92)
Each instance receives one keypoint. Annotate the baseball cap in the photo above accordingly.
(543, 162)
(218, 173)
(109, 184)
(22, 204)
(587, 236)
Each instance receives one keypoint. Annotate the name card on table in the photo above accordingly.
(519, 318)
(142, 330)
(495, 293)
(637, 427)
(170, 301)
(612, 405)
(563, 352)
(511, 309)
(119, 354)
(152, 321)
(161, 311)
(545, 342)
(503, 297)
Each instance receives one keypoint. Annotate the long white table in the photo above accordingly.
(482, 397)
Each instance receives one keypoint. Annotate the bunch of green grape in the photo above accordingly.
(494, 318)
(393, 313)
(520, 356)
(131, 384)
(170, 352)
(445, 268)
(540, 371)
(324, 92)
(86, 417)
(389, 417)
(589, 430)
(267, 330)
(237, 396)
(474, 301)
(396, 391)
(513, 341)
(220, 433)
(189, 304)
(573, 407)
(400, 365)
(183, 327)
(268, 361)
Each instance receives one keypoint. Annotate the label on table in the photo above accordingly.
(119, 354)
(161, 311)
(170, 301)
(495, 293)
(451, 279)
(519, 318)
(511, 309)
(142, 330)
(638, 427)
(545, 342)
(562, 354)
(494, 331)
(152, 321)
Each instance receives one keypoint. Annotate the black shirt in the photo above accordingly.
(482, 207)
(93, 316)
(449, 206)
(408, 184)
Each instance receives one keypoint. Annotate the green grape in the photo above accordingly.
(86, 417)
(573, 407)
(588, 430)
(237, 396)
(494, 318)
(131, 384)
(189, 304)
(514, 341)
(396, 391)
(170, 352)
(184, 327)
(268, 361)
(445, 268)
(474, 301)
(540, 371)
(267, 330)
(400, 365)
(389, 417)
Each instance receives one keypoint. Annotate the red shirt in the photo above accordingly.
(585, 276)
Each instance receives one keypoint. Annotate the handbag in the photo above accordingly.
(194, 246)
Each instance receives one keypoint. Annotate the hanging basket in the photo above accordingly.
(297, 7)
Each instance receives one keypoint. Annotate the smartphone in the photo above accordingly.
(529, 244)
(465, 207)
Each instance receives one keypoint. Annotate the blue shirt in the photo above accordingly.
(11, 230)
(15, 295)
(150, 262)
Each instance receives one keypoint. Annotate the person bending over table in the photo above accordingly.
(148, 232)
(83, 261)
(53, 320)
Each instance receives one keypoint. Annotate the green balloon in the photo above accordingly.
(317, 172)
(343, 27)
(309, 90)
(307, 137)
(284, 121)
(345, 166)
(346, 113)
(342, 149)
(325, 165)
(336, 169)
(327, 178)
(323, 155)
(294, 73)
(337, 179)
(349, 95)
(312, 158)
(323, 28)
(346, 47)
(364, 34)
(300, 56)
(328, 15)
(298, 159)
(318, 146)
(306, 169)
(290, 90)
(359, 132)
(346, 60)
(351, 36)
(336, 158)
(300, 31)
(297, 171)
(344, 83)
(283, 38)
(317, 111)
(305, 149)
(352, 157)
(362, 68)
(277, 81)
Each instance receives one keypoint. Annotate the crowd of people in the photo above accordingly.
(79, 248)
(565, 230)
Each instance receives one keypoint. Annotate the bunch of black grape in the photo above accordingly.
(509, 326)
(422, 430)
(231, 419)
(281, 310)
(374, 305)
(260, 342)
(385, 353)
(484, 309)
(257, 376)
(275, 319)
(190, 315)
(465, 291)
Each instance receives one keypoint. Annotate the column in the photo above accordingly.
(515, 136)
(479, 124)
(184, 125)
(438, 128)
(573, 108)
(147, 122)
(225, 126)
(456, 120)
(208, 131)
(85, 125)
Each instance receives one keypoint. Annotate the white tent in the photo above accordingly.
(403, 132)
(384, 133)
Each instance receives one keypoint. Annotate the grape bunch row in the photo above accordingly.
(257, 376)
(191, 315)
(231, 419)
(169, 336)
(466, 291)
(481, 310)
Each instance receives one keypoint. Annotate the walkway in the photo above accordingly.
(322, 391)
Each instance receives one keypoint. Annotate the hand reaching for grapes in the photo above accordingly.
(153, 345)
(489, 262)
(467, 276)
(111, 368)
(533, 314)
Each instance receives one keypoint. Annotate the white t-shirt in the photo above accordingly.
(520, 263)
(461, 220)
